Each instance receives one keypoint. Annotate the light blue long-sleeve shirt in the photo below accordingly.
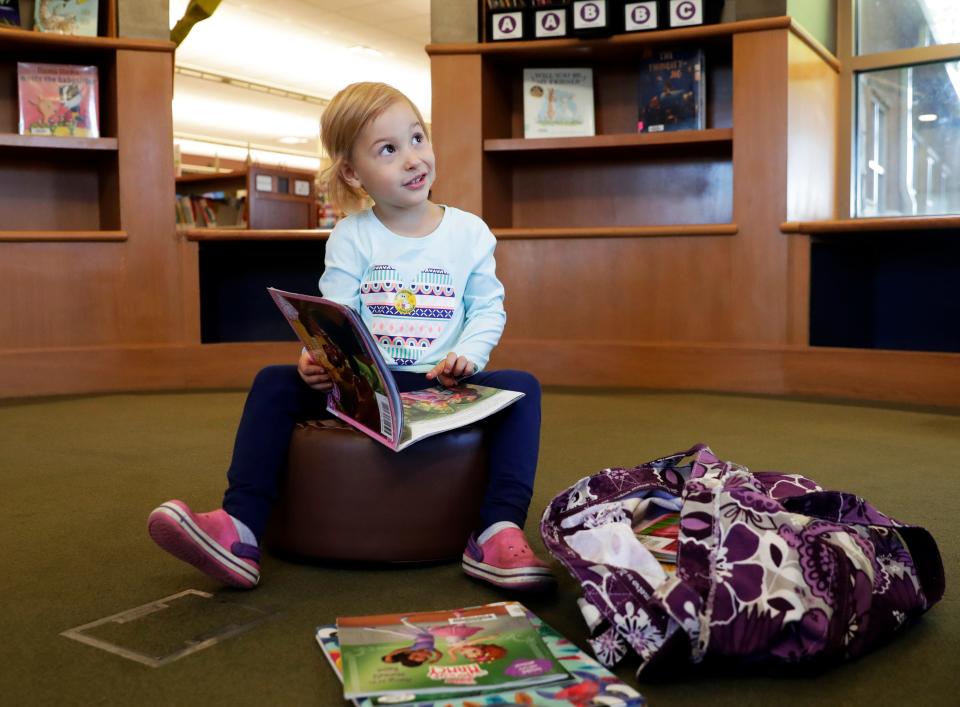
(420, 297)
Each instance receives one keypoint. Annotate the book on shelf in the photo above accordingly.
(58, 99)
(364, 392)
(10, 12)
(671, 90)
(77, 17)
(588, 682)
(558, 102)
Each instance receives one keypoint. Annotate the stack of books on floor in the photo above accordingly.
(493, 654)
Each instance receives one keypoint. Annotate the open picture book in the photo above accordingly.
(587, 682)
(364, 393)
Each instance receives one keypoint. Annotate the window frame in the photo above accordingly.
(850, 66)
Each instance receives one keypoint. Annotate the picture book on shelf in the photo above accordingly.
(58, 99)
(672, 90)
(10, 12)
(588, 683)
(77, 17)
(558, 103)
(364, 392)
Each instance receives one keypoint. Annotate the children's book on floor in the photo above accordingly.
(558, 103)
(58, 100)
(671, 90)
(364, 393)
(588, 682)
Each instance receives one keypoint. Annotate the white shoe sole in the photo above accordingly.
(175, 531)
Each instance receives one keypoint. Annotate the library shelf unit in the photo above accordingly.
(275, 198)
(89, 266)
(659, 260)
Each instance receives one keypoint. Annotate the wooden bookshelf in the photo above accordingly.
(625, 141)
(43, 142)
(275, 208)
(873, 225)
(606, 285)
(87, 254)
(246, 234)
(718, 229)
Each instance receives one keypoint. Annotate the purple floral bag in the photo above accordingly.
(770, 567)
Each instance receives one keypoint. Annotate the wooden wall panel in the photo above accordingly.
(39, 194)
(70, 371)
(759, 254)
(458, 143)
(59, 294)
(553, 192)
(910, 377)
(149, 279)
(812, 107)
(620, 289)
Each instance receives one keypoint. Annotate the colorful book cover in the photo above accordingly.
(672, 91)
(558, 103)
(10, 12)
(364, 392)
(661, 535)
(58, 99)
(77, 17)
(465, 651)
(590, 683)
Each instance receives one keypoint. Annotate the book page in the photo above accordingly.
(435, 410)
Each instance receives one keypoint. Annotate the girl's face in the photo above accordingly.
(393, 160)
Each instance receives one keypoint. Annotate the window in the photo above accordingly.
(902, 63)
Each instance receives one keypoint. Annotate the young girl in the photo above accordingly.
(423, 278)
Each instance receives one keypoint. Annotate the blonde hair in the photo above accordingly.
(342, 121)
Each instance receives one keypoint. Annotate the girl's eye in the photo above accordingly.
(419, 138)
(387, 150)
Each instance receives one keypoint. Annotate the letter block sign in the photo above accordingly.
(639, 16)
(684, 13)
(550, 23)
(506, 25)
(590, 17)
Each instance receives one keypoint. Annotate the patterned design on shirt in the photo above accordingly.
(408, 316)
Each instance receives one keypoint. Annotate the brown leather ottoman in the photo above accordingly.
(347, 497)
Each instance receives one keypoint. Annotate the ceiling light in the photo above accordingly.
(927, 117)
(292, 140)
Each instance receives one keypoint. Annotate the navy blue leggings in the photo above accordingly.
(279, 399)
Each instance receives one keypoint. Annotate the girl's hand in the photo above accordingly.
(451, 369)
(313, 374)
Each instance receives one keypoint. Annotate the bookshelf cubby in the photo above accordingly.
(65, 185)
(270, 201)
(616, 178)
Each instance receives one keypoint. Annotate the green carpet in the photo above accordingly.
(79, 476)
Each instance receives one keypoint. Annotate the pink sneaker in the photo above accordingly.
(506, 561)
(208, 541)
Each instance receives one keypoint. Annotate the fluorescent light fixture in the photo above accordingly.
(235, 152)
(288, 55)
(192, 109)
(291, 140)
(927, 117)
